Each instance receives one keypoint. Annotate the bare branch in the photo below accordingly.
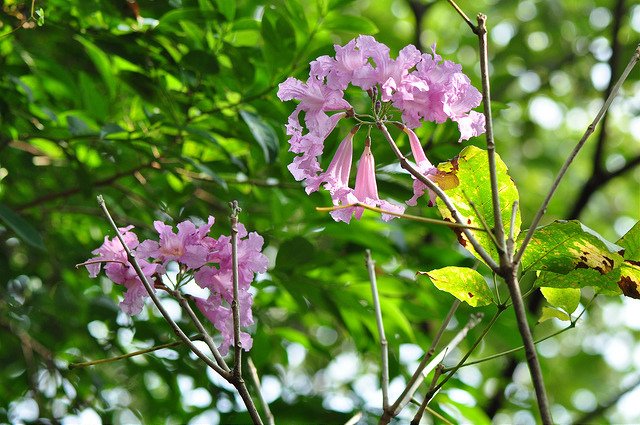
(253, 372)
(384, 351)
(543, 208)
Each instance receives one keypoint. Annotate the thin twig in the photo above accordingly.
(384, 350)
(543, 208)
(440, 193)
(477, 342)
(427, 366)
(237, 344)
(174, 326)
(417, 377)
(425, 402)
(128, 355)
(498, 226)
(395, 214)
(253, 372)
(464, 16)
(205, 335)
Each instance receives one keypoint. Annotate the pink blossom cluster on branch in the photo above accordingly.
(200, 257)
(420, 87)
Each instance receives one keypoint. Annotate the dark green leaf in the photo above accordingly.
(23, 228)
(263, 133)
(350, 23)
(295, 253)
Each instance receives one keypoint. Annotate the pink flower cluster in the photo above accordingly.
(420, 86)
(207, 260)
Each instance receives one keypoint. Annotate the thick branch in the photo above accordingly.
(529, 347)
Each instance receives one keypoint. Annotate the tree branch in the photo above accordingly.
(384, 350)
(543, 208)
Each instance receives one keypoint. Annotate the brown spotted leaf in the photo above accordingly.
(463, 283)
(563, 246)
(471, 168)
(629, 281)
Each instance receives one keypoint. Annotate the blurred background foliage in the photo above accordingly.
(168, 109)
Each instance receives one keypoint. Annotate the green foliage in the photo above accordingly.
(170, 112)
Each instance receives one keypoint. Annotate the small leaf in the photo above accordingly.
(40, 16)
(463, 283)
(110, 128)
(263, 133)
(551, 313)
(23, 228)
(567, 299)
(563, 246)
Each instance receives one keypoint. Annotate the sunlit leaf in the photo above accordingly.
(552, 313)
(563, 246)
(463, 283)
(567, 299)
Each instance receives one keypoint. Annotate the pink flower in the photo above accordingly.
(423, 165)
(118, 269)
(337, 175)
(315, 99)
(366, 191)
(190, 246)
(221, 316)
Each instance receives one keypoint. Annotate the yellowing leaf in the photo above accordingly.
(463, 283)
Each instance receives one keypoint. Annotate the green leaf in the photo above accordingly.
(40, 16)
(207, 171)
(23, 228)
(201, 61)
(563, 246)
(337, 21)
(551, 313)
(77, 126)
(263, 133)
(631, 243)
(295, 253)
(466, 178)
(582, 278)
(463, 283)
(567, 299)
(227, 8)
(102, 63)
(171, 20)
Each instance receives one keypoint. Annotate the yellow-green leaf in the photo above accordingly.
(463, 283)
(567, 299)
(471, 168)
(551, 313)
